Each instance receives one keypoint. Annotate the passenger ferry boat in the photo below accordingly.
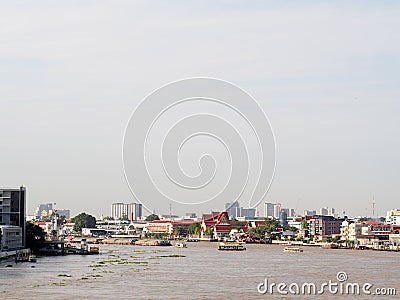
(292, 249)
(232, 246)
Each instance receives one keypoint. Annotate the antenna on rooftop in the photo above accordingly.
(373, 205)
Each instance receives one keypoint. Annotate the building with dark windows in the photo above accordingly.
(12, 208)
(324, 226)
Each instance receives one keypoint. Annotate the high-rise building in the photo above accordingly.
(131, 211)
(44, 210)
(269, 210)
(12, 208)
(249, 213)
(134, 211)
(331, 211)
(327, 211)
(310, 213)
(118, 210)
(64, 212)
(277, 210)
(283, 217)
(323, 211)
(231, 208)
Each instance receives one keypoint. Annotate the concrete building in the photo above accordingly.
(327, 211)
(283, 218)
(320, 226)
(323, 211)
(11, 238)
(131, 211)
(232, 209)
(64, 212)
(393, 217)
(269, 210)
(134, 211)
(44, 210)
(309, 213)
(290, 213)
(12, 208)
(277, 210)
(247, 213)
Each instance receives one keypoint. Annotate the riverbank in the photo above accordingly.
(177, 273)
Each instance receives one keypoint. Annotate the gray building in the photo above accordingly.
(283, 217)
(130, 211)
(64, 212)
(231, 208)
(310, 213)
(248, 213)
(12, 208)
(327, 211)
(44, 210)
(10, 238)
(277, 211)
(269, 210)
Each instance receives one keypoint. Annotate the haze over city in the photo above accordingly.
(326, 74)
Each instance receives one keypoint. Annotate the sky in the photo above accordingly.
(327, 74)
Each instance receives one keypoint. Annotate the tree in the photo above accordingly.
(272, 225)
(195, 229)
(291, 228)
(259, 232)
(34, 236)
(178, 230)
(304, 224)
(83, 220)
(208, 232)
(152, 217)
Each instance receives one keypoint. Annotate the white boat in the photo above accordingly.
(180, 245)
(292, 249)
(32, 258)
(232, 246)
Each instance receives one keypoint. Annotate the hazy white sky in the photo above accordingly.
(327, 75)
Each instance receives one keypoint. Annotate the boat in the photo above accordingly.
(287, 244)
(163, 243)
(32, 258)
(330, 246)
(292, 249)
(94, 250)
(180, 245)
(232, 246)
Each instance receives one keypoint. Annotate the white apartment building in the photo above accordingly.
(393, 217)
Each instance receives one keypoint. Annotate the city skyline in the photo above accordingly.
(326, 74)
(262, 211)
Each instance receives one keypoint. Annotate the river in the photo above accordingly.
(196, 272)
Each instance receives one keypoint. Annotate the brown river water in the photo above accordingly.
(197, 272)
